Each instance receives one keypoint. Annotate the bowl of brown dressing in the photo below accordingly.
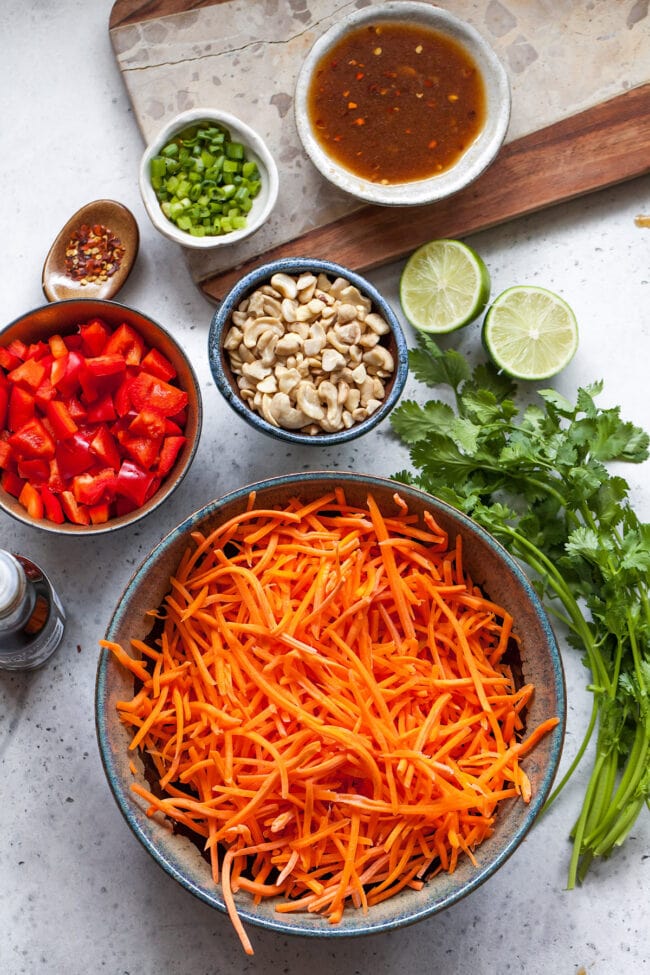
(402, 104)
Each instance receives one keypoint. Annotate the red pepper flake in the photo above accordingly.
(93, 254)
(359, 121)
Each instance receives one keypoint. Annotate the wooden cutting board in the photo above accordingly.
(580, 114)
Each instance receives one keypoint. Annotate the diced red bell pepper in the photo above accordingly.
(158, 365)
(124, 506)
(92, 488)
(180, 419)
(99, 513)
(22, 407)
(64, 373)
(126, 342)
(103, 366)
(102, 410)
(133, 482)
(153, 487)
(29, 374)
(172, 429)
(33, 440)
(148, 391)
(36, 350)
(171, 447)
(8, 360)
(63, 425)
(104, 446)
(4, 402)
(101, 375)
(11, 483)
(51, 505)
(17, 348)
(31, 500)
(122, 396)
(45, 393)
(144, 450)
(6, 453)
(76, 409)
(55, 482)
(58, 347)
(35, 470)
(148, 423)
(90, 386)
(74, 456)
(94, 336)
(74, 512)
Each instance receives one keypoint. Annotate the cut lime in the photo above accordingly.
(530, 333)
(444, 286)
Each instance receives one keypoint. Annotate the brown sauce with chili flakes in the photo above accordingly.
(396, 102)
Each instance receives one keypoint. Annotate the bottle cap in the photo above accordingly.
(12, 584)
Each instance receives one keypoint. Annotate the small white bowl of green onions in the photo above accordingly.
(208, 179)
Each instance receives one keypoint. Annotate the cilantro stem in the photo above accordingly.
(545, 568)
(577, 759)
(540, 484)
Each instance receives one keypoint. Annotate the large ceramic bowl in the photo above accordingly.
(351, 424)
(491, 568)
(64, 317)
(256, 151)
(475, 158)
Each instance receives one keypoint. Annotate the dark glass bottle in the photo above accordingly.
(32, 618)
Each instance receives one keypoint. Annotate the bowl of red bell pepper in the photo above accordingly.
(100, 416)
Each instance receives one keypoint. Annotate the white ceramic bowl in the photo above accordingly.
(477, 156)
(256, 150)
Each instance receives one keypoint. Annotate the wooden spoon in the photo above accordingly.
(58, 279)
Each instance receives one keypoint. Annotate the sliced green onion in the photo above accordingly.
(204, 182)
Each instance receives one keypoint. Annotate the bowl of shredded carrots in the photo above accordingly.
(329, 704)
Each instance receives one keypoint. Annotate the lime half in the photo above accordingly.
(530, 333)
(444, 286)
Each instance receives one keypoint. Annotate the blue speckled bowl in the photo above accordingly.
(491, 568)
(225, 380)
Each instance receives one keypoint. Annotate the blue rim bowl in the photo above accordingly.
(225, 380)
(491, 568)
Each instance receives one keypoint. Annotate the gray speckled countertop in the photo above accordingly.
(77, 892)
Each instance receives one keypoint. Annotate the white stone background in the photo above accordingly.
(78, 894)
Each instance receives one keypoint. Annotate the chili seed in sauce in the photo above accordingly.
(396, 102)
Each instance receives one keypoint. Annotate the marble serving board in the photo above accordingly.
(580, 78)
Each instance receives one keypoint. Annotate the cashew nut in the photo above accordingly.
(285, 284)
(308, 400)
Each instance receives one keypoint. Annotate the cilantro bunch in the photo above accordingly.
(537, 480)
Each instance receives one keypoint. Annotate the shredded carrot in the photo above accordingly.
(327, 699)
